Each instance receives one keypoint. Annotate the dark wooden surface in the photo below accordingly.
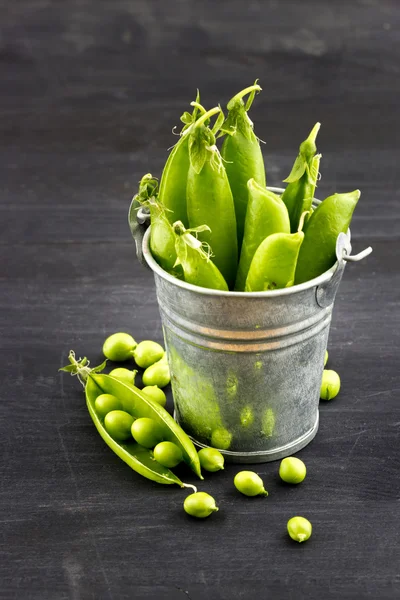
(89, 94)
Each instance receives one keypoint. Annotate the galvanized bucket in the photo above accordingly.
(246, 368)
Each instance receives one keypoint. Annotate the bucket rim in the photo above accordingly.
(294, 289)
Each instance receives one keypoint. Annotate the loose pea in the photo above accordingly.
(326, 357)
(119, 346)
(168, 454)
(124, 375)
(146, 432)
(211, 460)
(299, 529)
(200, 505)
(292, 470)
(158, 374)
(118, 424)
(154, 392)
(330, 385)
(147, 353)
(221, 438)
(105, 403)
(249, 484)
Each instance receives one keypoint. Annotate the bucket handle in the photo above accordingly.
(139, 220)
(326, 292)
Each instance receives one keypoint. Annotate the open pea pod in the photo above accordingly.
(140, 459)
(138, 405)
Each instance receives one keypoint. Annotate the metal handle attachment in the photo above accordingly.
(139, 220)
(326, 292)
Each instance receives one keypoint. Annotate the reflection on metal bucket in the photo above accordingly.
(246, 368)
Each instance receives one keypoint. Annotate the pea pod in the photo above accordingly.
(173, 183)
(194, 258)
(242, 154)
(138, 405)
(209, 197)
(330, 218)
(274, 262)
(162, 239)
(299, 193)
(266, 214)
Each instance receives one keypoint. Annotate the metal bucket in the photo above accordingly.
(246, 368)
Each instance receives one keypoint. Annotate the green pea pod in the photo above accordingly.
(194, 258)
(274, 263)
(209, 197)
(173, 183)
(242, 154)
(266, 214)
(138, 405)
(162, 239)
(299, 193)
(331, 217)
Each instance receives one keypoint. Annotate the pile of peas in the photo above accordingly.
(122, 427)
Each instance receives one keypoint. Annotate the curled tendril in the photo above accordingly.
(81, 365)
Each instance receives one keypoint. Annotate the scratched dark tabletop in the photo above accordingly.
(89, 94)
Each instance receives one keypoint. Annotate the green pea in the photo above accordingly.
(246, 416)
(292, 470)
(200, 505)
(124, 375)
(158, 374)
(146, 432)
(326, 357)
(299, 529)
(330, 385)
(105, 403)
(118, 424)
(268, 423)
(249, 484)
(168, 454)
(119, 346)
(147, 353)
(211, 460)
(221, 438)
(154, 392)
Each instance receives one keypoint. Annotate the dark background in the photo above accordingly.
(90, 91)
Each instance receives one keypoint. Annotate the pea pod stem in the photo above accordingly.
(207, 115)
(80, 367)
(252, 88)
(199, 106)
(189, 485)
